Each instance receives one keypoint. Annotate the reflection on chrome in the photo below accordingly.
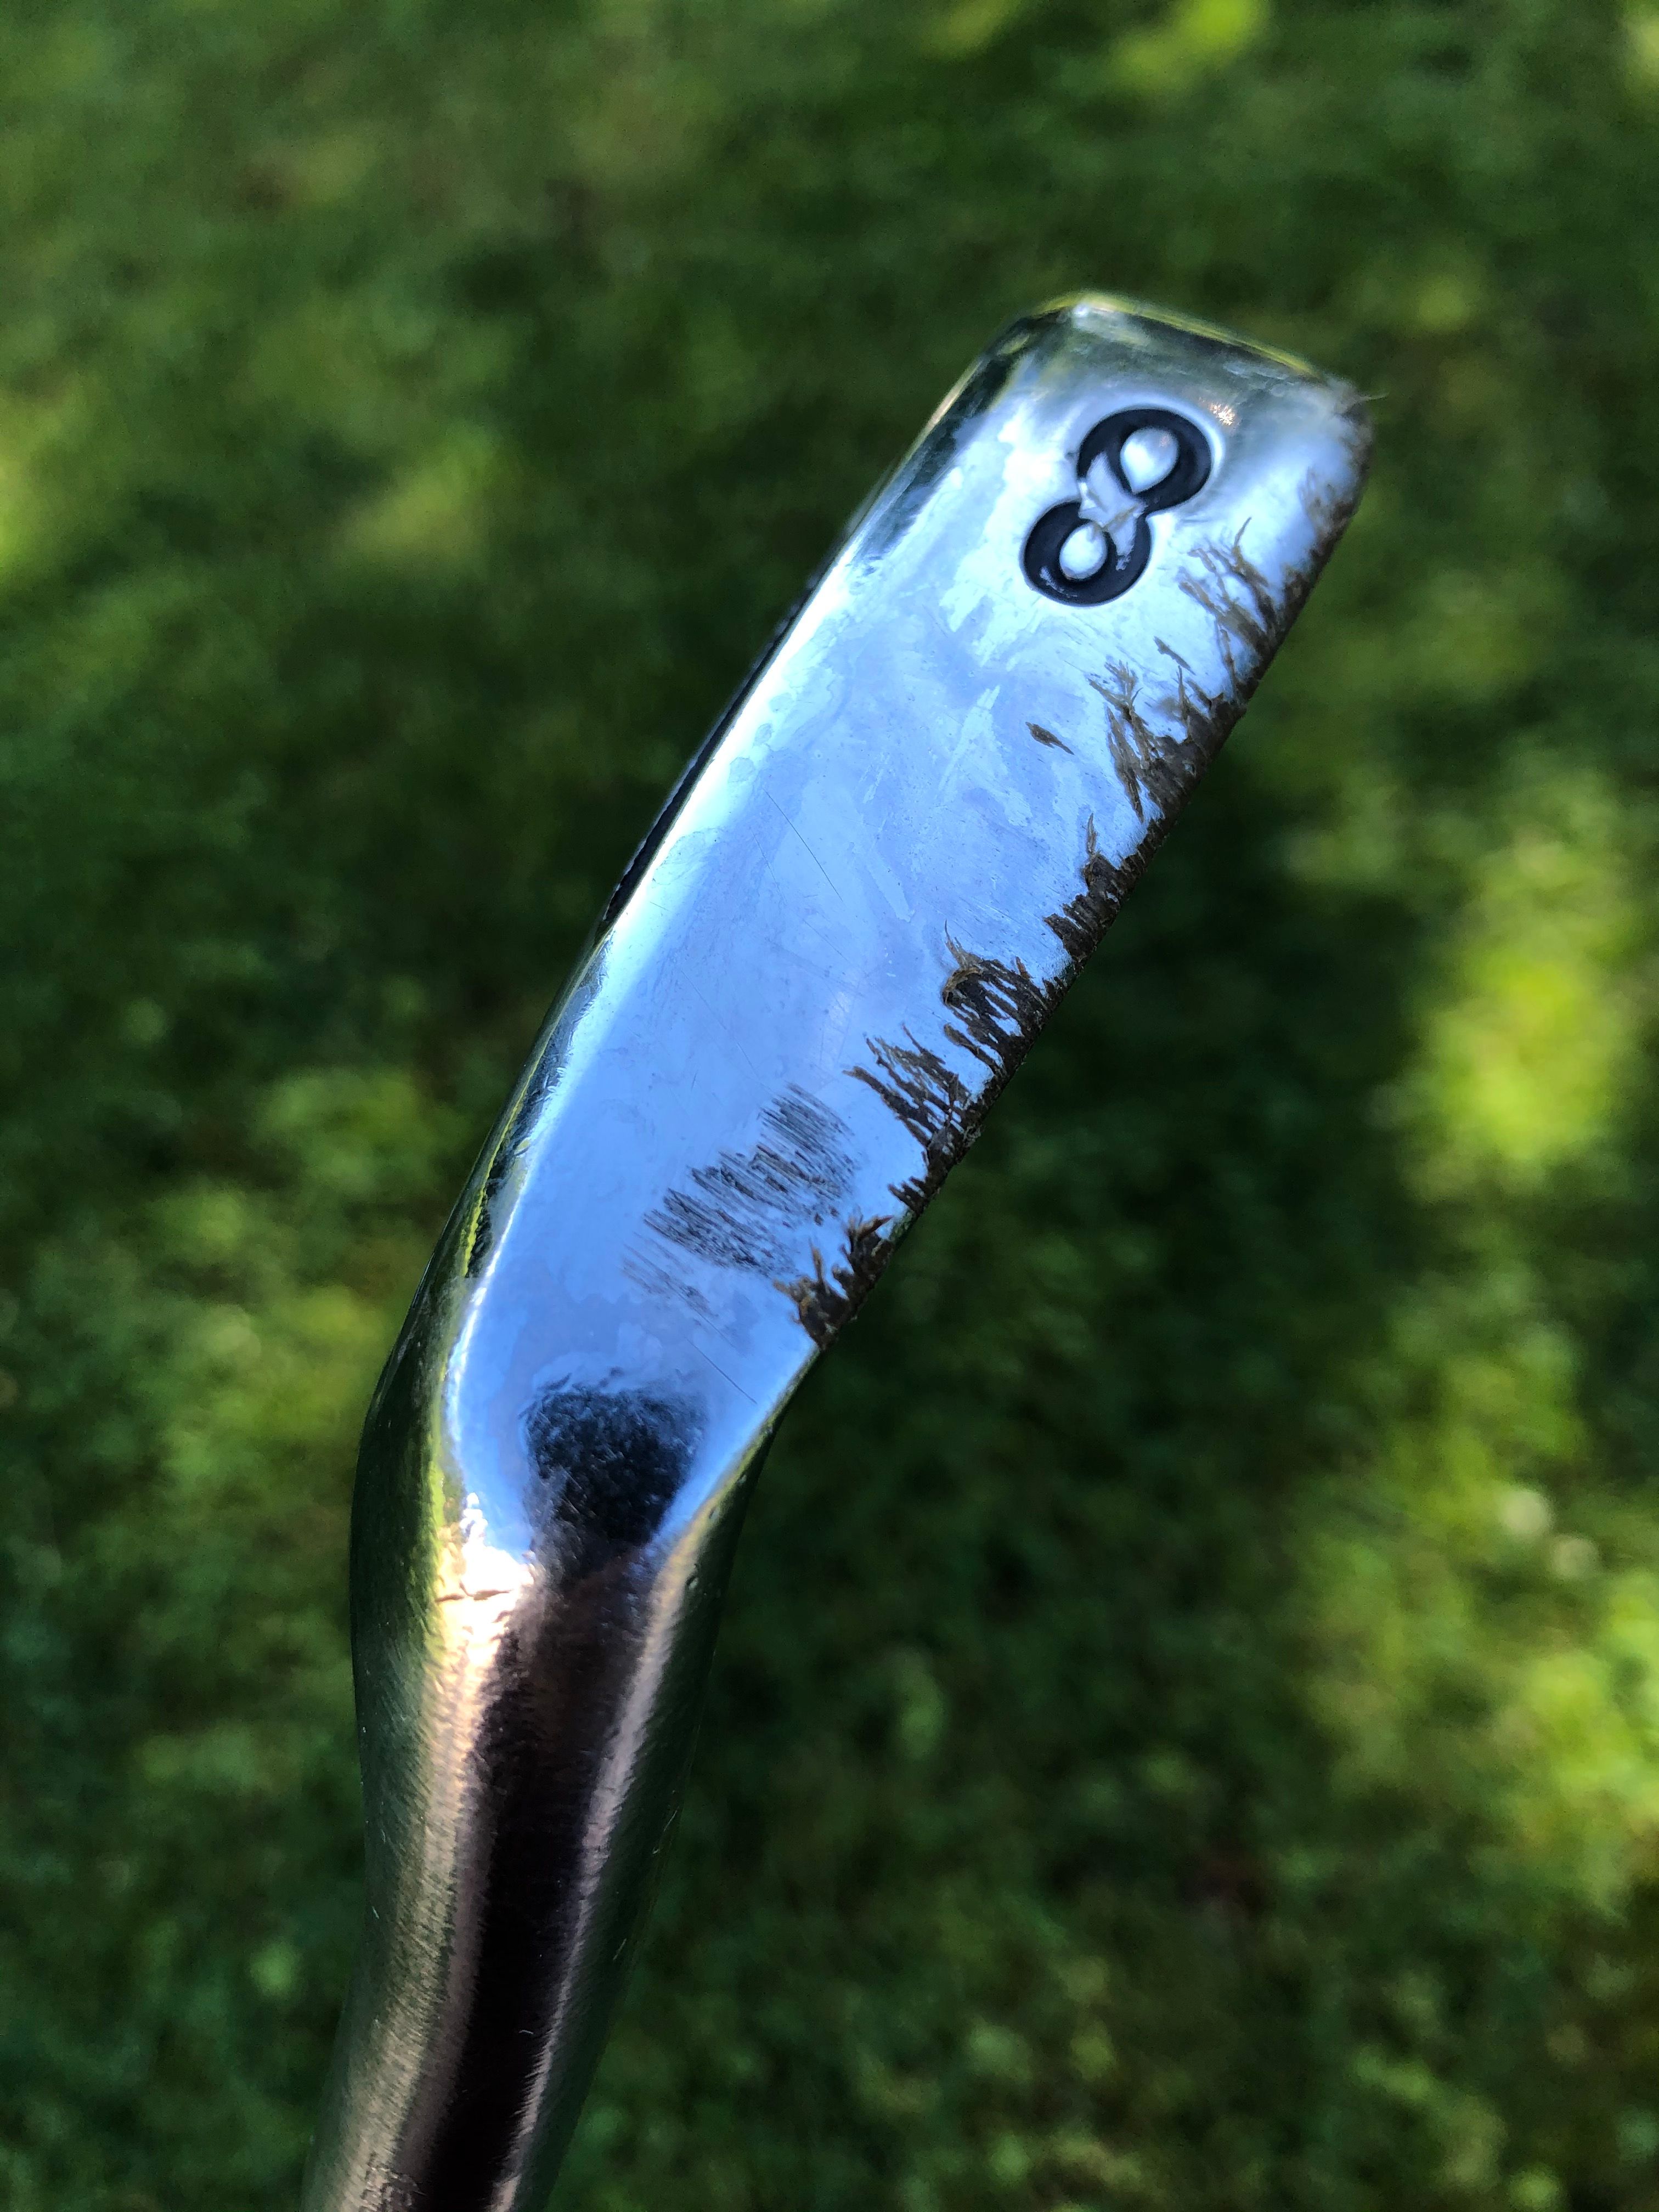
(833, 950)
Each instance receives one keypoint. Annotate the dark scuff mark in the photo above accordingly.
(1160, 742)
(612, 1461)
(926, 1092)
(999, 1007)
(746, 1209)
(1084, 921)
(1134, 743)
(934, 1104)
(1160, 759)
(1242, 602)
(827, 1302)
(1248, 613)
(1160, 745)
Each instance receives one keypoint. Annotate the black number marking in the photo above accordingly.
(1128, 543)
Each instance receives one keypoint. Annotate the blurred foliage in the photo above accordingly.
(1186, 1733)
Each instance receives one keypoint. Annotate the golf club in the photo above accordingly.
(864, 899)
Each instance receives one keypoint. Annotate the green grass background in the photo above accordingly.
(1186, 1731)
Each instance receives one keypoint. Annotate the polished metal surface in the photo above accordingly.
(859, 909)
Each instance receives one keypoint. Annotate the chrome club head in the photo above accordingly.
(858, 910)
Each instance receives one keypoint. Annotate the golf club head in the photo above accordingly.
(868, 892)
